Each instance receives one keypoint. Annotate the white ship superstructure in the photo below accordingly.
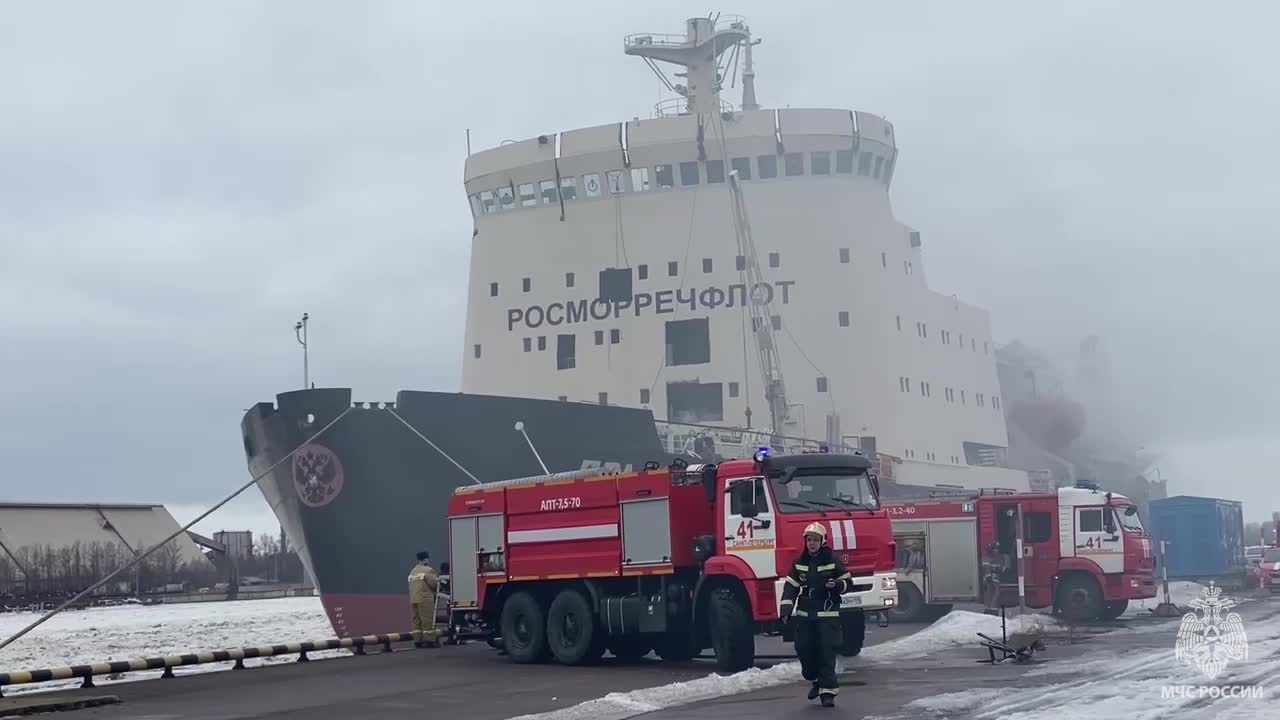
(611, 264)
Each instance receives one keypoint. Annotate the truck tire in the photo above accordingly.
(910, 607)
(853, 631)
(572, 630)
(1113, 610)
(1079, 598)
(524, 629)
(732, 635)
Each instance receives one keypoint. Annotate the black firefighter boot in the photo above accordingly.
(813, 691)
(828, 700)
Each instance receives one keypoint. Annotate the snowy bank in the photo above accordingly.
(958, 628)
(125, 632)
(1181, 593)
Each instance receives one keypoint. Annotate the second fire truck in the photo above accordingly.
(673, 560)
(1080, 551)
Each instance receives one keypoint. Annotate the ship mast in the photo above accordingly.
(698, 51)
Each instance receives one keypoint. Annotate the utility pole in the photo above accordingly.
(300, 331)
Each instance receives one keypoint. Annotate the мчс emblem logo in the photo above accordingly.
(317, 475)
(1211, 640)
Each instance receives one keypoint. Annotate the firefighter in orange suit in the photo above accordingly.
(423, 582)
(812, 597)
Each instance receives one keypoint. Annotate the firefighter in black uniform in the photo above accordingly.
(812, 596)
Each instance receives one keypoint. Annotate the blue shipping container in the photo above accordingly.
(1204, 537)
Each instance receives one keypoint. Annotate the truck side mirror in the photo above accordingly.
(1108, 521)
(875, 483)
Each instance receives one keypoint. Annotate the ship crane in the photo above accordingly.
(775, 392)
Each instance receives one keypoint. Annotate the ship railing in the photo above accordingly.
(677, 106)
(654, 40)
(729, 21)
(681, 437)
(167, 663)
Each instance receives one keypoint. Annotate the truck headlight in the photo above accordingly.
(889, 583)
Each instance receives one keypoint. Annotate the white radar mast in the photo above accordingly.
(698, 51)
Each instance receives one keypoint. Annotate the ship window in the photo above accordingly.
(528, 197)
(884, 260)
(695, 402)
(477, 349)
(549, 196)
(844, 318)
(566, 346)
(569, 188)
(844, 162)
(542, 343)
(506, 197)
(664, 176)
(844, 255)
(528, 344)
(775, 260)
(962, 400)
(820, 163)
(706, 265)
(673, 268)
(568, 279)
(639, 179)
(689, 173)
(879, 166)
(528, 283)
(642, 272)
(591, 184)
(493, 289)
(615, 336)
(864, 164)
(822, 384)
(777, 322)
(888, 170)
(740, 262)
(617, 185)
(742, 166)
(733, 389)
(564, 398)
(793, 164)
(768, 166)
(688, 342)
(603, 398)
(644, 396)
(899, 319)
(715, 171)
(599, 337)
(486, 201)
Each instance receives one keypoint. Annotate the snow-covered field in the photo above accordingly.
(133, 631)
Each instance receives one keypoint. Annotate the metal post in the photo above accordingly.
(300, 331)
(1022, 575)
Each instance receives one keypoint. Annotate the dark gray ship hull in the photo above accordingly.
(360, 500)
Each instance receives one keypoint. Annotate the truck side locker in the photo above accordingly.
(463, 559)
(646, 532)
(953, 560)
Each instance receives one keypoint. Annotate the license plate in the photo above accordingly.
(855, 601)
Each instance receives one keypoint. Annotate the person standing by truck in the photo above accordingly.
(812, 595)
(423, 583)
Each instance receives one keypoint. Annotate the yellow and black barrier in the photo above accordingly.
(169, 662)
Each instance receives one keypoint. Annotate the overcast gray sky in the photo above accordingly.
(179, 184)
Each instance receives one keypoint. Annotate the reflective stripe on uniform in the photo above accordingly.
(785, 602)
(828, 691)
(846, 576)
(793, 581)
(800, 613)
(802, 568)
(828, 613)
(824, 568)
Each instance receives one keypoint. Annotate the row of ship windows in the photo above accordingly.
(922, 330)
(926, 390)
(691, 174)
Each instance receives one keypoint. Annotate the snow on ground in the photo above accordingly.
(1120, 685)
(955, 629)
(1181, 593)
(126, 632)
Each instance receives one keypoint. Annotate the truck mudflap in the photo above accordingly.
(871, 593)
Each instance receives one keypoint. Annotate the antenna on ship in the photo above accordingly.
(749, 76)
(300, 331)
(698, 51)
(520, 429)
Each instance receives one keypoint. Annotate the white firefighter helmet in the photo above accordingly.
(816, 528)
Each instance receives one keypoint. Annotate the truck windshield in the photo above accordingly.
(1271, 554)
(1129, 519)
(821, 489)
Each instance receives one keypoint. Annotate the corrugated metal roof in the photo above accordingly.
(60, 525)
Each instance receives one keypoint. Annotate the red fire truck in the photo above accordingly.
(1079, 550)
(673, 560)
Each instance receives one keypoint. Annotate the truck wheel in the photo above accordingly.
(572, 630)
(910, 607)
(853, 629)
(732, 635)
(524, 629)
(1079, 598)
(1113, 610)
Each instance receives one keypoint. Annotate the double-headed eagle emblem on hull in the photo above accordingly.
(317, 475)
(1209, 637)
